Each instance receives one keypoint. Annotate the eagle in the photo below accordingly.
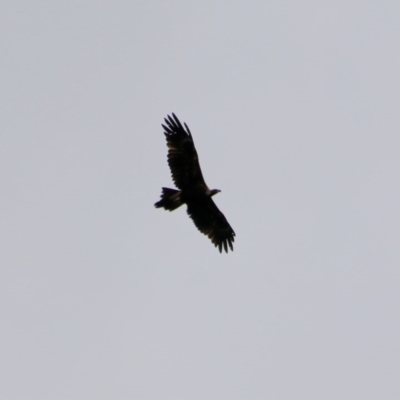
(193, 191)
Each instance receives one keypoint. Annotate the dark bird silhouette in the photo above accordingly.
(186, 174)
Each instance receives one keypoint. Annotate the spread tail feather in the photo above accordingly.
(170, 199)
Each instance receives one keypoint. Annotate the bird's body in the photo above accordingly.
(193, 191)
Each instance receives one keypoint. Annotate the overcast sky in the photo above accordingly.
(294, 109)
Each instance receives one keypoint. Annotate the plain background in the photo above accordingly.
(294, 108)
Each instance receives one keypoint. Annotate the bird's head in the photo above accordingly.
(214, 191)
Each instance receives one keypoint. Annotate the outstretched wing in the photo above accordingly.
(182, 156)
(210, 221)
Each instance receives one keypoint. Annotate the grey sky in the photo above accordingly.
(294, 109)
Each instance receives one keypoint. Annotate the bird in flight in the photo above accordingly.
(193, 191)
